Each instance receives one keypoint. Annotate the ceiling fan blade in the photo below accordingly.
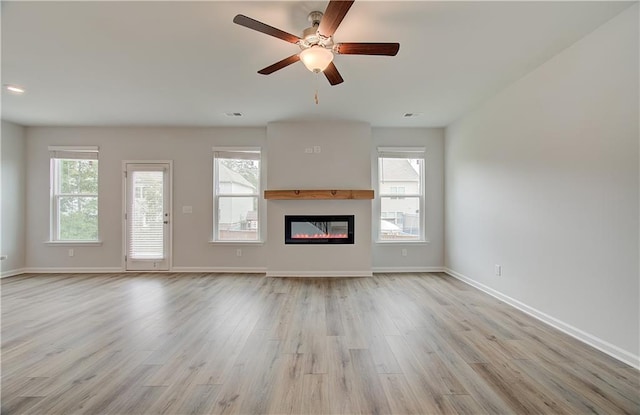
(245, 21)
(279, 65)
(336, 10)
(354, 48)
(332, 74)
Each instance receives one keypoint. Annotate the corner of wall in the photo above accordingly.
(13, 198)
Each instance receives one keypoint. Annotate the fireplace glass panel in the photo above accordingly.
(319, 229)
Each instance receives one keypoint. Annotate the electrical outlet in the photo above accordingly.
(238, 252)
(498, 270)
(71, 253)
(317, 149)
(404, 251)
(308, 150)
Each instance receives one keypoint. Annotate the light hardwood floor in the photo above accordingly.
(242, 344)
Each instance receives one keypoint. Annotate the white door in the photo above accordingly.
(147, 216)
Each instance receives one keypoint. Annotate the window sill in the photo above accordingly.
(73, 243)
(396, 243)
(237, 243)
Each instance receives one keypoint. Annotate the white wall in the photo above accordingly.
(191, 152)
(420, 256)
(343, 163)
(13, 201)
(544, 180)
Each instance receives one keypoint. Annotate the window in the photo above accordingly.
(397, 190)
(401, 192)
(236, 195)
(74, 194)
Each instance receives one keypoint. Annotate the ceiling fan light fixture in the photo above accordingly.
(316, 58)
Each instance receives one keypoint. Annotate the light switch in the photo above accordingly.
(187, 209)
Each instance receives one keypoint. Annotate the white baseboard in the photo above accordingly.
(593, 341)
(12, 272)
(393, 270)
(319, 274)
(109, 270)
(239, 270)
(70, 270)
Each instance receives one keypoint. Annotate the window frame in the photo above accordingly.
(401, 153)
(56, 155)
(240, 151)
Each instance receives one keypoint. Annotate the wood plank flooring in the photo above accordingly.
(245, 344)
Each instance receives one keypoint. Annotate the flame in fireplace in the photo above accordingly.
(319, 235)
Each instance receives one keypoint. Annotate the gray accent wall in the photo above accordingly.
(347, 152)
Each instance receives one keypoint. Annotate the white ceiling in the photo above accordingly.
(187, 63)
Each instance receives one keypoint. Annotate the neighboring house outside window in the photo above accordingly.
(74, 194)
(401, 193)
(236, 195)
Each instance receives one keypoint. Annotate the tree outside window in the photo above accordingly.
(75, 199)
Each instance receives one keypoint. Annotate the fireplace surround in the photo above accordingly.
(319, 229)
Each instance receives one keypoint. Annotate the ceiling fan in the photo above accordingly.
(317, 42)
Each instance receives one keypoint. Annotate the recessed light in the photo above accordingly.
(233, 114)
(14, 89)
(412, 114)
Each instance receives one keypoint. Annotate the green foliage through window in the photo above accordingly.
(76, 199)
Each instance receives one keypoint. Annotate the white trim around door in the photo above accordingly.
(140, 177)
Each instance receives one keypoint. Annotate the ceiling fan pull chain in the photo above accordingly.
(316, 96)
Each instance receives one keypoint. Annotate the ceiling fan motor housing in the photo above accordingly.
(310, 35)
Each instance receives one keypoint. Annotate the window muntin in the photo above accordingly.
(74, 194)
(401, 193)
(236, 195)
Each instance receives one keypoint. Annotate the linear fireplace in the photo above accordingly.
(316, 229)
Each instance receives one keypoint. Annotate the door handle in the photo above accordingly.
(166, 221)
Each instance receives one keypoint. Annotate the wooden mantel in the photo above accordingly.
(318, 194)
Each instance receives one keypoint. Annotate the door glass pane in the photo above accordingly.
(400, 218)
(237, 218)
(146, 238)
